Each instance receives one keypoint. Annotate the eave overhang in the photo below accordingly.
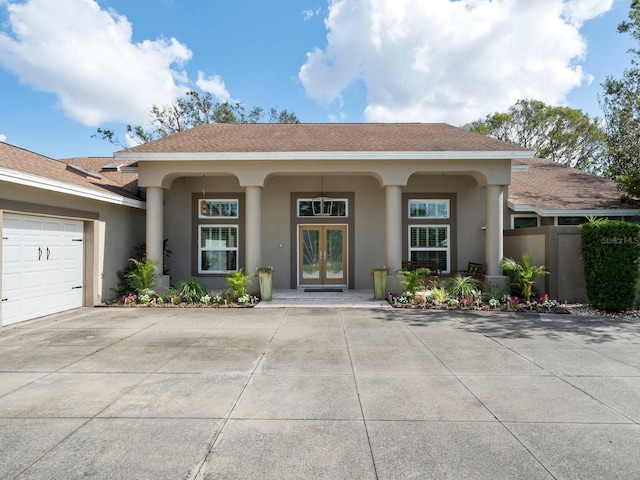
(43, 183)
(587, 212)
(324, 156)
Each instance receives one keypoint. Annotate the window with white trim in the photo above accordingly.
(217, 208)
(430, 243)
(427, 208)
(217, 248)
(306, 207)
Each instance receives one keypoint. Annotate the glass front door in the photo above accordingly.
(322, 255)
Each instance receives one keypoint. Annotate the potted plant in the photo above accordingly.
(380, 281)
(265, 277)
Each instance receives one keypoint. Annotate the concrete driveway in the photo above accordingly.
(305, 393)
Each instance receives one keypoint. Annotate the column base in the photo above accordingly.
(163, 282)
(496, 281)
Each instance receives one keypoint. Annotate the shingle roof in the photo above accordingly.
(21, 160)
(550, 186)
(325, 137)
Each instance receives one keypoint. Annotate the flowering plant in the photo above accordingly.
(512, 303)
(547, 303)
(466, 302)
(381, 268)
(130, 298)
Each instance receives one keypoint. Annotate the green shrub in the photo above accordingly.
(137, 278)
(522, 276)
(171, 296)
(439, 296)
(191, 291)
(610, 252)
(237, 282)
(460, 286)
(413, 280)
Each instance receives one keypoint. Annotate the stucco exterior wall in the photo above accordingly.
(110, 230)
(279, 232)
(470, 214)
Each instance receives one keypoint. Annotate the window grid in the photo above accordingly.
(430, 243)
(218, 248)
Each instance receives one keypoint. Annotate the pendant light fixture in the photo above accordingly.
(322, 204)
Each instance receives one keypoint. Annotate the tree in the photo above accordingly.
(190, 111)
(562, 134)
(620, 103)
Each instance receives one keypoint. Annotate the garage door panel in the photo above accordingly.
(42, 266)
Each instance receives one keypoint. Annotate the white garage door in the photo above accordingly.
(42, 266)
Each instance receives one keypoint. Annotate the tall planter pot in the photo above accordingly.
(266, 285)
(380, 284)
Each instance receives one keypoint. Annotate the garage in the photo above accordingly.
(42, 266)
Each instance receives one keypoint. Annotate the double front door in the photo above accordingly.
(322, 257)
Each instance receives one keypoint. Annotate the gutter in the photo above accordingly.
(627, 212)
(325, 156)
(43, 183)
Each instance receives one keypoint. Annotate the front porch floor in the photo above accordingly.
(346, 299)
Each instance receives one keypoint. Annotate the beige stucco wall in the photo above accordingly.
(558, 249)
(523, 240)
(111, 231)
(278, 239)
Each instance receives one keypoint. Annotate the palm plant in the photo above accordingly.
(413, 279)
(523, 276)
(138, 277)
(238, 282)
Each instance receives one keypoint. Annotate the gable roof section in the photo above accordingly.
(316, 138)
(27, 168)
(550, 189)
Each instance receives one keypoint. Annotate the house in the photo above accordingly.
(324, 203)
(321, 203)
(67, 227)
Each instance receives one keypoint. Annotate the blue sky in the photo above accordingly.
(69, 66)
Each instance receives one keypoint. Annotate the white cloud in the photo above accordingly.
(213, 85)
(86, 57)
(451, 61)
(309, 14)
(3, 138)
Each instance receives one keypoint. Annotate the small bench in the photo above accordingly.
(475, 270)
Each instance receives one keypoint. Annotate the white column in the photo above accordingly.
(493, 238)
(253, 229)
(155, 225)
(393, 195)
